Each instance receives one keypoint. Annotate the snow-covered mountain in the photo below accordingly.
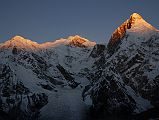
(31, 73)
(125, 77)
(53, 79)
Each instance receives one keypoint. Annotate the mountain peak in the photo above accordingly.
(20, 42)
(135, 24)
(77, 38)
(136, 16)
(16, 40)
(139, 25)
(79, 41)
(17, 37)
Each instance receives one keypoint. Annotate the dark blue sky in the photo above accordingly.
(47, 20)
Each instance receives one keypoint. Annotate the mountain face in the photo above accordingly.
(48, 80)
(30, 71)
(125, 78)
